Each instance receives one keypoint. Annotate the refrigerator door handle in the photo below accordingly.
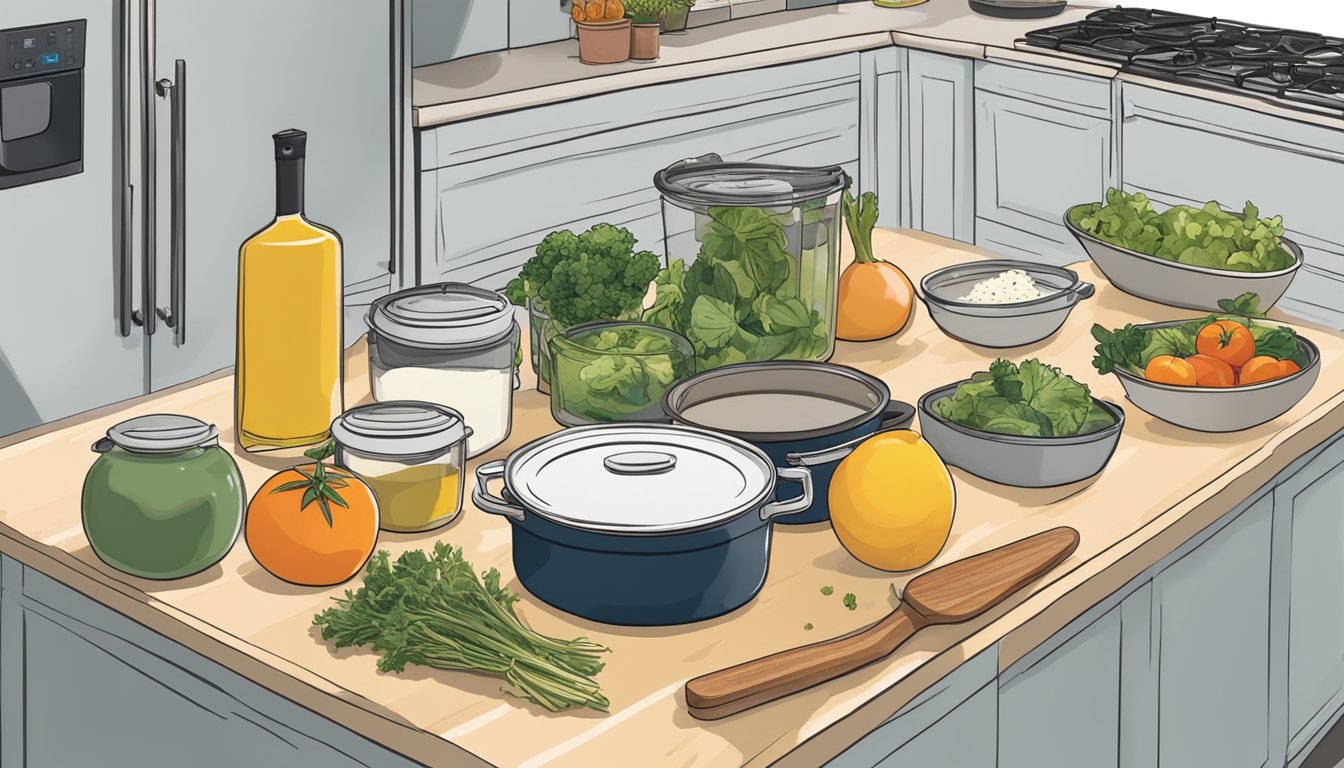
(175, 91)
(147, 318)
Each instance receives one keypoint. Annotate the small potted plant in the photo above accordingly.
(646, 21)
(675, 15)
(604, 32)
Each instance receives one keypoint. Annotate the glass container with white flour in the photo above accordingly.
(452, 344)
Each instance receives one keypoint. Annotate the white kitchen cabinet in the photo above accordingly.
(1043, 143)
(1211, 624)
(882, 132)
(1311, 502)
(92, 683)
(1183, 149)
(492, 188)
(941, 144)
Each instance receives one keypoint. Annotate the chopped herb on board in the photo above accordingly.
(851, 602)
(827, 590)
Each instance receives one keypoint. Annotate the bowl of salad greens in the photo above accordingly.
(615, 371)
(1184, 256)
(1027, 425)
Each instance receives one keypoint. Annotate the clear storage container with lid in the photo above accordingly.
(162, 500)
(411, 454)
(761, 247)
(450, 344)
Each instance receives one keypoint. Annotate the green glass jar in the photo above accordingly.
(162, 500)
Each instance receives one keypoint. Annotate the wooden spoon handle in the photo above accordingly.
(736, 689)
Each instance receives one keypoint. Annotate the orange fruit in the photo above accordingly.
(1226, 340)
(875, 301)
(312, 525)
(1212, 372)
(1264, 368)
(1165, 369)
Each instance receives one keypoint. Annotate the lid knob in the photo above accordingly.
(640, 463)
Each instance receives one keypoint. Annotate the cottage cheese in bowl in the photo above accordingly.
(1009, 287)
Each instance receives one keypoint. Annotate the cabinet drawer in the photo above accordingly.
(1067, 90)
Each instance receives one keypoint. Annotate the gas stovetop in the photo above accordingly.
(1296, 66)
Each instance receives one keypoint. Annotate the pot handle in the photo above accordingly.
(897, 415)
(488, 502)
(799, 475)
(1083, 291)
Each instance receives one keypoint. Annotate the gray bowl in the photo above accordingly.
(1024, 462)
(1001, 325)
(1229, 409)
(1182, 285)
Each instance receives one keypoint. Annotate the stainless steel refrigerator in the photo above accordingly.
(135, 157)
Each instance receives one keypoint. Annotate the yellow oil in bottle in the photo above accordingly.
(289, 366)
(417, 497)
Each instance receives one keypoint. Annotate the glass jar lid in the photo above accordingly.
(639, 478)
(159, 433)
(709, 181)
(400, 429)
(445, 315)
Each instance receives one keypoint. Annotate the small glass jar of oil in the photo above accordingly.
(411, 454)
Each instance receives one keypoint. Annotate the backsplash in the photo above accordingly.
(454, 29)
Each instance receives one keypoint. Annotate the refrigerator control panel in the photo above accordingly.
(36, 51)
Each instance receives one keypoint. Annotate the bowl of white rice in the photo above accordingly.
(1002, 303)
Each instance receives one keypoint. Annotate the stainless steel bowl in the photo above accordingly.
(1001, 325)
(1024, 462)
(1182, 285)
(1224, 409)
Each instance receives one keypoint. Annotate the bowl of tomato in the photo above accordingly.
(1221, 373)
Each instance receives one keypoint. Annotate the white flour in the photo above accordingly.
(483, 397)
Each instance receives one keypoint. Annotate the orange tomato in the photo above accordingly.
(1264, 368)
(1226, 340)
(1212, 372)
(576, 10)
(314, 525)
(615, 10)
(876, 300)
(1165, 369)
(595, 10)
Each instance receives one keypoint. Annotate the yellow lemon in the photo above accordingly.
(892, 501)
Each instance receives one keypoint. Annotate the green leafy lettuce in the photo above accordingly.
(1032, 400)
(611, 375)
(1202, 237)
(739, 300)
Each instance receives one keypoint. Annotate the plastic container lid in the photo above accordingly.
(442, 316)
(400, 429)
(159, 433)
(707, 180)
(639, 478)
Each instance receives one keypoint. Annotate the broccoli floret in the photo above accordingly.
(554, 249)
(600, 284)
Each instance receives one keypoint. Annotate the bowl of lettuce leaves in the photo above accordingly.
(1027, 425)
(615, 371)
(1184, 256)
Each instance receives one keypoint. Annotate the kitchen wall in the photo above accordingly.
(1311, 15)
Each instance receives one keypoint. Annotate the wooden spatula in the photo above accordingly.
(949, 594)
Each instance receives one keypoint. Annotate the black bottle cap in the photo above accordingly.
(289, 144)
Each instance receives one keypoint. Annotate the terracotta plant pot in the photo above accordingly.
(604, 42)
(675, 20)
(644, 41)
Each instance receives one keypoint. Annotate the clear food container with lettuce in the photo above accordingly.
(753, 259)
(615, 371)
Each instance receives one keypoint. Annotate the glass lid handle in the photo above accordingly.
(701, 160)
(640, 463)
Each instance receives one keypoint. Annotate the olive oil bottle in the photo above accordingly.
(288, 386)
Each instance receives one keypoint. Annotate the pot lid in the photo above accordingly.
(400, 429)
(159, 433)
(707, 180)
(442, 315)
(639, 478)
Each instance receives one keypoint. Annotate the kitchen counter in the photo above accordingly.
(1163, 485)
(503, 81)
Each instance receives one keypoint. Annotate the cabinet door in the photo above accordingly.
(1063, 710)
(1032, 162)
(965, 738)
(336, 83)
(881, 159)
(1211, 614)
(941, 146)
(1182, 149)
(1312, 500)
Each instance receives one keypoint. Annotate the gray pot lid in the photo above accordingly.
(707, 181)
(445, 315)
(159, 433)
(395, 429)
(639, 478)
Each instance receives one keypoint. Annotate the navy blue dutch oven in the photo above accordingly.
(799, 413)
(640, 524)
